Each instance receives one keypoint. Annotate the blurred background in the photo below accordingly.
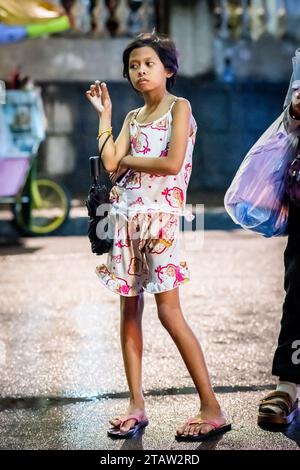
(235, 66)
(60, 362)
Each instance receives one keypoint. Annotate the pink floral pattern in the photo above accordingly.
(145, 253)
(165, 151)
(160, 125)
(149, 261)
(134, 181)
(187, 172)
(139, 142)
(159, 192)
(174, 196)
(113, 282)
(176, 273)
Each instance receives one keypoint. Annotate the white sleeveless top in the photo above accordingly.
(145, 192)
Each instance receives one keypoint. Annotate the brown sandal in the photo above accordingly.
(288, 409)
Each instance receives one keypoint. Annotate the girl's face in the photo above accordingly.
(146, 71)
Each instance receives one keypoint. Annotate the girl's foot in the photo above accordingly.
(129, 424)
(198, 426)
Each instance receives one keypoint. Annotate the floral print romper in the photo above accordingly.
(145, 217)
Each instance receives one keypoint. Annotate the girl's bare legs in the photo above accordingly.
(171, 317)
(131, 309)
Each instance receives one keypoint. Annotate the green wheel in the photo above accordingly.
(44, 210)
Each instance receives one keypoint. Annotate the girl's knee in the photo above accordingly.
(165, 320)
(132, 305)
(168, 307)
(169, 317)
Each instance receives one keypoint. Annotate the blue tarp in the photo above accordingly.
(23, 123)
(10, 34)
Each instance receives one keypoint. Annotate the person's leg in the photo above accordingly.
(285, 365)
(171, 317)
(132, 349)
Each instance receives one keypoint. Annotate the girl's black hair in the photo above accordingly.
(164, 48)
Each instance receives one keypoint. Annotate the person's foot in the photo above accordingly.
(277, 408)
(133, 409)
(199, 425)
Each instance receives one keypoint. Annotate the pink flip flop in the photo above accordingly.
(217, 429)
(140, 423)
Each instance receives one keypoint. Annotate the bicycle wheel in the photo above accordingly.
(45, 210)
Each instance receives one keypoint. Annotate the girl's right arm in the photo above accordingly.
(114, 150)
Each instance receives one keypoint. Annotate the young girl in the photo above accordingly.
(155, 147)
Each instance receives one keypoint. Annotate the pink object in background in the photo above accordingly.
(13, 173)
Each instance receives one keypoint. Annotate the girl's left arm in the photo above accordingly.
(170, 165)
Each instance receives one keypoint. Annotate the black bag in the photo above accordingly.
(292, 181)
(98, 195)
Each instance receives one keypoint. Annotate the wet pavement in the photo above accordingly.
(60, 361)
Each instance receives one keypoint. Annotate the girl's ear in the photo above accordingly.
(169, 73)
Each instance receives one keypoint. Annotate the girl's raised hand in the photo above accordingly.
(99, 97)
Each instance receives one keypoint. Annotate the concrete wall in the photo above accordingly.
(230, 119)
(65, 59)
(200, 52)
